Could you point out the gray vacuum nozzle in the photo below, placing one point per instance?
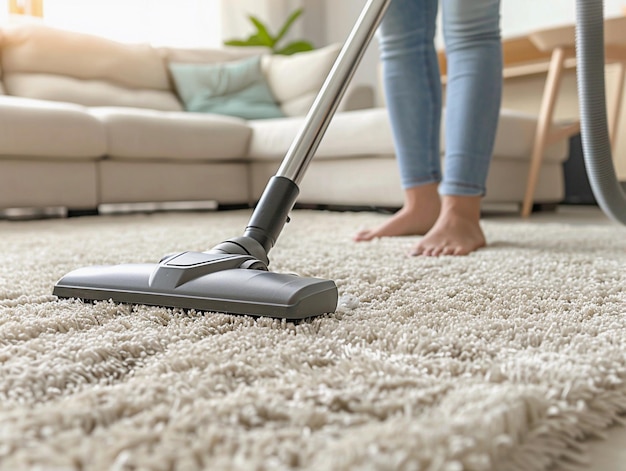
(235, 284)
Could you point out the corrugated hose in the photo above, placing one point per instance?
(591, 96)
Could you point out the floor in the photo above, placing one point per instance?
(569, 214)
(609, 454)
(605, 455)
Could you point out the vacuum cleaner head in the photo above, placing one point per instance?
(237, 284)
(232, 277)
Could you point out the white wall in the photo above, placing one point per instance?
(338, 18)
(186, 23)
(236, 24)
(518, 18)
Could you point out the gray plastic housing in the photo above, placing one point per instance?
(204, 282)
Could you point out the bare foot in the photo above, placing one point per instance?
(418, 215)
(457, 230)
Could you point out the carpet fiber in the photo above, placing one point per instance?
(504, 359)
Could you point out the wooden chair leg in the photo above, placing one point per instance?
(544, 123)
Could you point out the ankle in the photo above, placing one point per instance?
(423, 196)
(467, 207)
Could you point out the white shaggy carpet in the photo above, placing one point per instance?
(502, 360)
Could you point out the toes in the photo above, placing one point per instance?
(436, 251)
(436, 248)
(426, 250)
(461, 251)
(363, 236)
(417, 251)
(448, 250)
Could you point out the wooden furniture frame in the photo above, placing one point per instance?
(560, 43)
(552, 52)
(26, 7)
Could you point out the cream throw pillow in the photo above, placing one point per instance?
(296, 80)
(235, 88)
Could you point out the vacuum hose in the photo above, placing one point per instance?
(592, 102)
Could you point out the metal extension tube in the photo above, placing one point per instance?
(279, 197)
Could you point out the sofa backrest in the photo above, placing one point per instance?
(46, 63)
(51, 64)
(2, 92)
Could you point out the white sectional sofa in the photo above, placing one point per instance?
(86, 121)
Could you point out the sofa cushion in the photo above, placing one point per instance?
(45, 129)
(351, 133)
(88, 92)
(53, 64)
(37, 48)
(368, 132)
(150, 134)
(296, 80)
(236, 88)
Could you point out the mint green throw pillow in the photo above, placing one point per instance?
(229, 88)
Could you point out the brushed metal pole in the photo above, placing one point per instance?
(305, 144)
(280, 195)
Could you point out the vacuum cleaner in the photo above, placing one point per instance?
(233, 277)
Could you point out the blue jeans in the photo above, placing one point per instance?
(471, 30)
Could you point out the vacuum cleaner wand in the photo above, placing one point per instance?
(281, 193)
(233, 277)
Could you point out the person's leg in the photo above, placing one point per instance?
(413, 93)
(473, 95)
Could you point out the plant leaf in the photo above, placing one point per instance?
(264, 38)
(295, 47)
(242, 43)
(263, 34)
(285, 28)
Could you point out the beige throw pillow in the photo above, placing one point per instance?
(296, 80)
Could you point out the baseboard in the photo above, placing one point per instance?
(347, 208)
(33, 213)
(121, 208)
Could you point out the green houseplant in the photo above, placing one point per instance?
(263, 38)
